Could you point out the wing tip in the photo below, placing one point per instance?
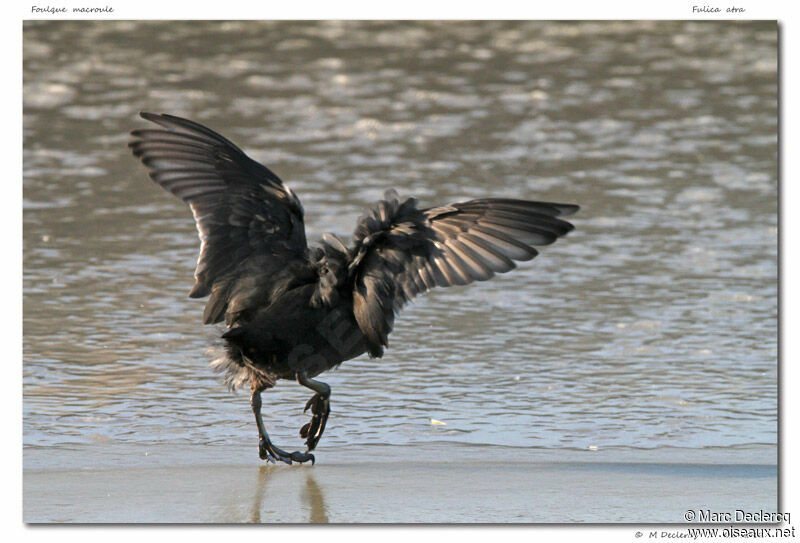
(565, 210)
(148, 116)
(199, 290)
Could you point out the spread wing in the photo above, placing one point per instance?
(250, 223)
(401, 251)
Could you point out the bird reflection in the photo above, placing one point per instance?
(312, 495)
(261, 485)
(316, 500)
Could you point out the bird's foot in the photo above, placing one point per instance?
(268, 451)
(320, 408)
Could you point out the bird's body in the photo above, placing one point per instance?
(295, 311)
(291, 335)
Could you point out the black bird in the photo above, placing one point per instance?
(295, 311)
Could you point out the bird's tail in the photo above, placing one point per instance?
(238, 370)
(227, 359)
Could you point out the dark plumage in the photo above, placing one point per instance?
(294, 312)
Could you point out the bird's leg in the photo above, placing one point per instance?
(320, 408)
(266, 450)
(263, 437)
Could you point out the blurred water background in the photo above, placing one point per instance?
(653, 325)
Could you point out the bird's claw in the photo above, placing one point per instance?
(267, 451)
(312, 431)
(301, 457)
(263, 452)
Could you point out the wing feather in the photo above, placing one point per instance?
(250, 224)
(401, 251)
